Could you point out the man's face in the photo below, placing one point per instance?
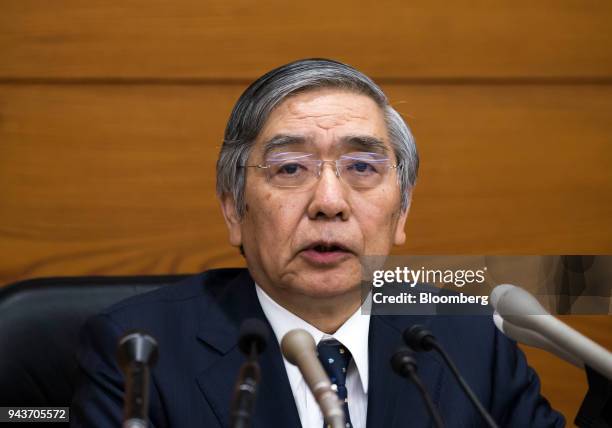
(308, 240)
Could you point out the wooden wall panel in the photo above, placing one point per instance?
(120, 179)
(241, 39)
(105, 180)
(511, 169)
(111, 116)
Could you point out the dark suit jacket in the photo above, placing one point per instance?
(196, 324)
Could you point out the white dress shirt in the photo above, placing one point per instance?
(353, 334)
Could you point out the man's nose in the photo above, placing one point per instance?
(330, 195)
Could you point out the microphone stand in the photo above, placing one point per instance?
(405, 365)
(246, 390)
(252, 342)
(136, 353)
(596, 408)
(421, 339)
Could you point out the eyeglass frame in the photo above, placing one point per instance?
(320, 163)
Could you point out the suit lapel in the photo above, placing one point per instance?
(218, 334)
(392, 400)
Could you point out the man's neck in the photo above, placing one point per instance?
(327, 314)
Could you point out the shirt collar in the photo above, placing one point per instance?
(353, 333)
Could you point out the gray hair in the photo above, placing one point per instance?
(262, 96)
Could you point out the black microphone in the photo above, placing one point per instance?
(136, 353)
(404, 364)
(252, 342)
(596, 408)
(420, 339)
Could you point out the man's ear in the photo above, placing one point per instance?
(400, 233)
(232, 220)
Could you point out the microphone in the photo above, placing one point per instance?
(520, 308)
(299, 349)
(404, 364)
(136, 353)
(420, 339)
(531, 338)
(252, 342)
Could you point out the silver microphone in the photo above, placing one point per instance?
(299, 349)
(521, 309)
(531, 338)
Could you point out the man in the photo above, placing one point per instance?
(316, 170)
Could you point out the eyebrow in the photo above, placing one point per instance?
(282, 140)
(366, 143)
(361, 142)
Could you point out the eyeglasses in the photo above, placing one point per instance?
(362, 170)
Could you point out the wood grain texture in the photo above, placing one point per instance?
(242, 39)
(119, 179)
(108, 168)
(109, 180)
(510, 169)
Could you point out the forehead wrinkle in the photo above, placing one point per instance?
(327, 121)
(338, 111)
(299, 122)
(357, 142)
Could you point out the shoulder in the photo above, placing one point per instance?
(184, 300)
(491, 363)
(449, 329)
(467, 327)
(472, 341)
(208, 283)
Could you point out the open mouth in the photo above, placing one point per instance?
(326, 253)
(323, 248)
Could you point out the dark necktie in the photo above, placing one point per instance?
(335, 358)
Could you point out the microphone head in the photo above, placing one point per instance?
(509, 300)
(403, 362)
(499, 322)
(137, 347)
(498, 292)
(295, 342)
(254, 333)
(418, 338)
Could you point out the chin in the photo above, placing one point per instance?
(325, 285)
